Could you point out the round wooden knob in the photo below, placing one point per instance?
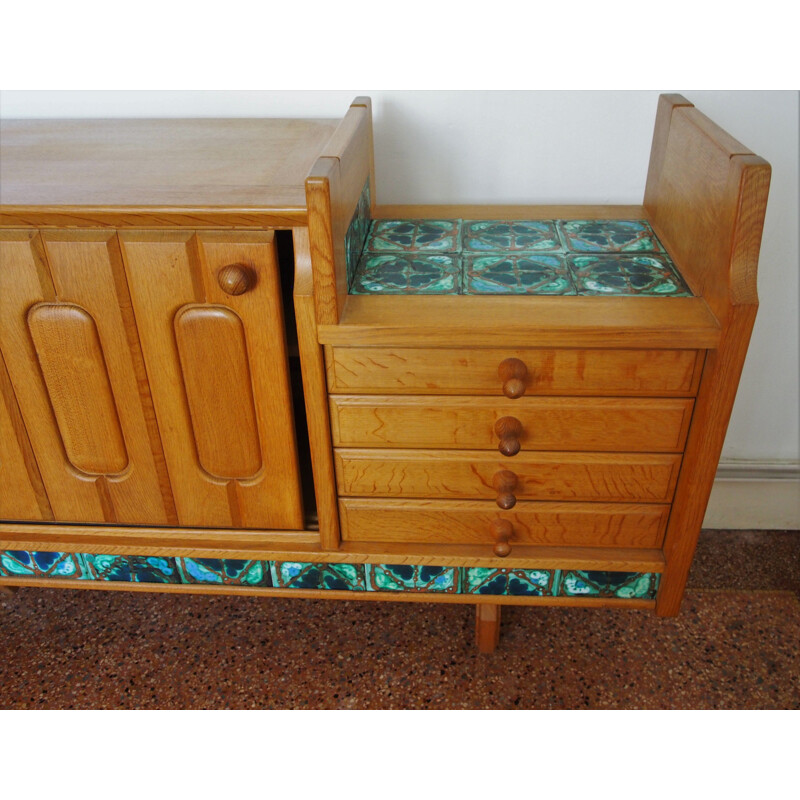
(508, 429)
(236, 279)
(502, 530)
(513, 372)
(506, 501)
(504, 483)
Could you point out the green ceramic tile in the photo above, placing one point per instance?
(485, 580)
(510, 236)
(415, 236)
(403, 273)
(411, 578)
(652, 275)
(626, 585)
(302, 575)
(227, 571)
(517, 273)
(608, 236)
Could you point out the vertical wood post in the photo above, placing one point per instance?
(487, 627)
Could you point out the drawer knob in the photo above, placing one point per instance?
(508, 430)
(504, 483)
(502, 530)
(236, 279)
(513, 372)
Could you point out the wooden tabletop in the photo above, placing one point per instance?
(124, 167)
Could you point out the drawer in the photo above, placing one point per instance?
(470, 475)
(377, 370)
(561, 423)
(534, 523)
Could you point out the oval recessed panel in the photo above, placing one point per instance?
(216, 373)
(71, 359)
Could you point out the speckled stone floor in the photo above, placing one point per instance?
(736, 644)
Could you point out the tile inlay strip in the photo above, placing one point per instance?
(325, 576)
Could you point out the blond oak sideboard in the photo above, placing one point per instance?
(226, 369)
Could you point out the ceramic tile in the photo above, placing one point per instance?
(357, 232)
(485, 580)
(576, 583)
(608, 236)
(411, 578)
(518, 273)
(627, 275)
(510, 236)
(154, 569)
(415, 235)
(228, 571)
(302, 575)
(404, 273)
(19, 563)
(106, 568)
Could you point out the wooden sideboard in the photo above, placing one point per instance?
(225, 368)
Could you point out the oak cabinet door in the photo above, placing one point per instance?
(209, 315)
(69, 343)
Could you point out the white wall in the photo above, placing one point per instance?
(547, 147)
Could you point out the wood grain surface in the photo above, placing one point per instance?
(534, 523)
(558, 423)
(474, 371)
(469, 475)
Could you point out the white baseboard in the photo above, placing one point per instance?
(755, 495)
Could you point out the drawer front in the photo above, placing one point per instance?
(473, 475)
(376, 370)
(534, 523)
(563, 423)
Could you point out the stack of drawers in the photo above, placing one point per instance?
(509, 447)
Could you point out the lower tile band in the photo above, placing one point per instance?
(321, 576)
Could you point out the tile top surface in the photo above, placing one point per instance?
(542, 257)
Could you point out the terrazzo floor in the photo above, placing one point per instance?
(736, 644)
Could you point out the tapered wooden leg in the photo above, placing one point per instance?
(8, 590)
(487, 627)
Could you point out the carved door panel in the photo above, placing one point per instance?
(209, 314)
(22, 494)
(69, 342)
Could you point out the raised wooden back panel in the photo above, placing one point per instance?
(706, 197)
(333, 189)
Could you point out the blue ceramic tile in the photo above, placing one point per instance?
(608, 236)
(415, 235)
(404, 273)
(227, 571)
(653, 275)
(510, 236)
(517, 273)
(40, 564)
